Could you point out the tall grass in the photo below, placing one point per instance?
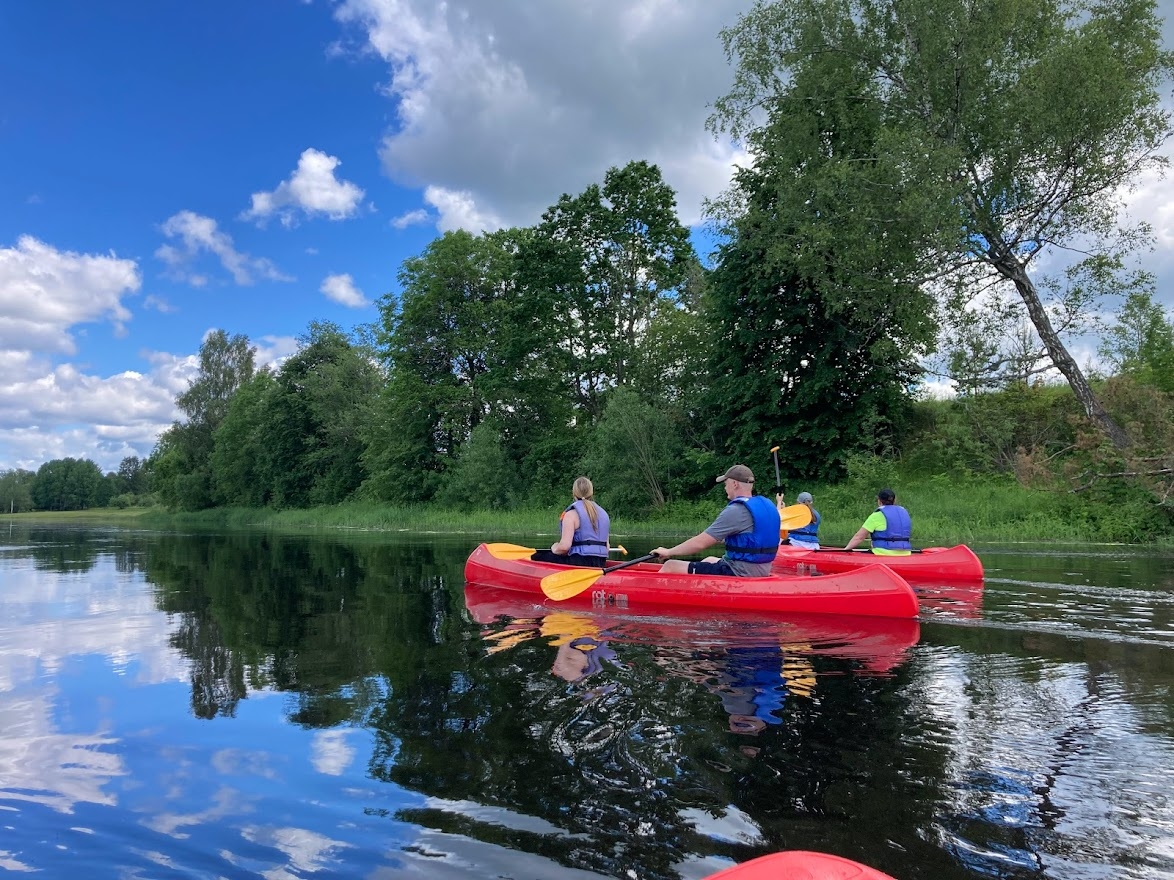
(945, 510)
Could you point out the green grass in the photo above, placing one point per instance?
(945, 510)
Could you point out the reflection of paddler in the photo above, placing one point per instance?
(581, 647)
(752, 682)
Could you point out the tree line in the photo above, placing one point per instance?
(912, 165)
(74, 484)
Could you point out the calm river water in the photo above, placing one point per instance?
(194, 705)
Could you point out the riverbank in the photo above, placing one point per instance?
(944, 512)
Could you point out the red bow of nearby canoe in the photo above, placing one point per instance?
(799, 865)
(956, 563)
(874, 591)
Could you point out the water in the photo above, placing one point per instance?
(275, 706)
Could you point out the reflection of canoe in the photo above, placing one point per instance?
(873, 591)
(956, 563)
(799, 865)
(877, 644)
(961, 599)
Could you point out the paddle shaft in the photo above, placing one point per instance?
(774, 450)
(647, 558)
(566, 584)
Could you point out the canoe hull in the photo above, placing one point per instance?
(799, 865)
(956, 563)
(874, 591)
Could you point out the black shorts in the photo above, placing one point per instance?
(569, 559)
(719, 567)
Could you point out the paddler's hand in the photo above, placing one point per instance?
(662, 552)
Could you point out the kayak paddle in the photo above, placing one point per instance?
(515, 551)
(795, 516)
(567, 584)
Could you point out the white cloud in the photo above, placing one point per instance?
(458, 210)
(49, 412)
(45, 291)
(411, 218)
(197, 234)
(504, 106)
(311, 189)
(341, 289)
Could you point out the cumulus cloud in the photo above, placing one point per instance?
(45, 291)
(341, 289)
(311, 190)
(195, 234)
(504, 106)
(53, 411)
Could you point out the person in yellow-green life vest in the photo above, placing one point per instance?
(889, 527)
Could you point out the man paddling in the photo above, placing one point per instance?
(889, 526)
(749, 524)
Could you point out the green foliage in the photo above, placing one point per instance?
(484, 477)
(69, 484)
(633, 453)
(181, 462)
(972, 136)
(618, 257)
(16, 490)
(243, 459)
(793, 362)
(1141, 342)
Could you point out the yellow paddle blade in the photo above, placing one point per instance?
(509, 551)
(623, 551)
(565, 584)
(795, 517)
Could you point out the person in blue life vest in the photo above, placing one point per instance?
(806, 537)
(749, 524)
(584, 531)
(889, 527)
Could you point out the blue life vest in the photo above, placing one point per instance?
(811, 530)
(590, 540)
(762, 543)
(897, 531)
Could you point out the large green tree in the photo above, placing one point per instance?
(1007, 130)
(69, 484)
(182, 459)
(618, 259)
(440, 339)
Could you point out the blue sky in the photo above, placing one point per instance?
(170, 168)
(175, 167)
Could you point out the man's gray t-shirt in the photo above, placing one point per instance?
(733, 519)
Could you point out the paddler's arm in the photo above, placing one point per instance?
(860, 535)
(570, 522)
(687, 548)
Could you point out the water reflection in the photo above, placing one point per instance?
(751, 662)
(237, 705)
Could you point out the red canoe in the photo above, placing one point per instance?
(799, 865)
(956, 563)
(874, 591)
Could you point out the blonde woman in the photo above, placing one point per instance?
(584, 532)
